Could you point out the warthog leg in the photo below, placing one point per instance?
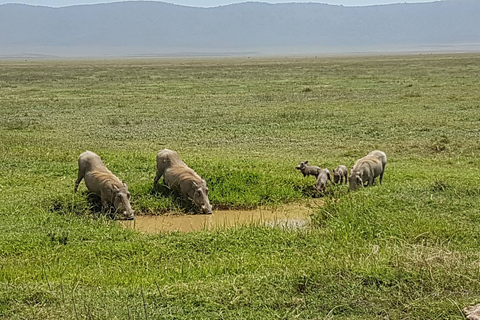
(157, 177)
(105, 206)
(79, 179)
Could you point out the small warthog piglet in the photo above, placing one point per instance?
(322, 179)
(340, 174)
(307, 169)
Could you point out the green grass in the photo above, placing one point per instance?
(406, 249)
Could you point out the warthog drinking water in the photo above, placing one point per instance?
(340, 174)
(178, 176)
(366, 169)
(322, 179)
(104, 183)
(307, 169)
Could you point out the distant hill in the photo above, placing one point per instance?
(158, 28)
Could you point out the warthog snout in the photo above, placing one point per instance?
(355, 182)
(301, 165)
(125, 215)
(207, 209)
(200, 198)
(122, 205)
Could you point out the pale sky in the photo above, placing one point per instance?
(212, 3)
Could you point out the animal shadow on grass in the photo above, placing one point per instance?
(180, 202)
(439, 186)
(82, 204)
(307, 191)
(311, 192)
(328, 193)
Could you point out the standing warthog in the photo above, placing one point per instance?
(340, 174)
(380, 155)
(307, 169)
(322, 179)
(365, 170)
(104, 183)
(178, 176)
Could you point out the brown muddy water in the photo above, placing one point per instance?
(289, 216)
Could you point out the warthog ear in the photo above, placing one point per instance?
(125, 185)
(306, 162)
(115, 188)
(195, 185)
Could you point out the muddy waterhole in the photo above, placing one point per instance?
(288, 216)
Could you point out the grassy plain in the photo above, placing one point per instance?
(408, 249)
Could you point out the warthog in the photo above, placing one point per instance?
(104, 183)
(178, 176)
(365, 170)
(322, 179)
(307, 169)
(340, 174)
(383, 159)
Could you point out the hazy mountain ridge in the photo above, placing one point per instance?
(155, 26)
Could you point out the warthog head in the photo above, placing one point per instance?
(320, 186)
(121, 202)
(200, 197)
(302, 165)
(336, 176)
(355, 180)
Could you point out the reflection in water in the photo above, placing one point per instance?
(291, 216)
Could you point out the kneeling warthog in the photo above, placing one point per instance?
(178, 176)
(340, 174)
(104, 183)
(365, 170)
(322, 179)
(307, 169)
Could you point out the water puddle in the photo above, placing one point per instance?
(290, 216)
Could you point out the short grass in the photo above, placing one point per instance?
(408, 249)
